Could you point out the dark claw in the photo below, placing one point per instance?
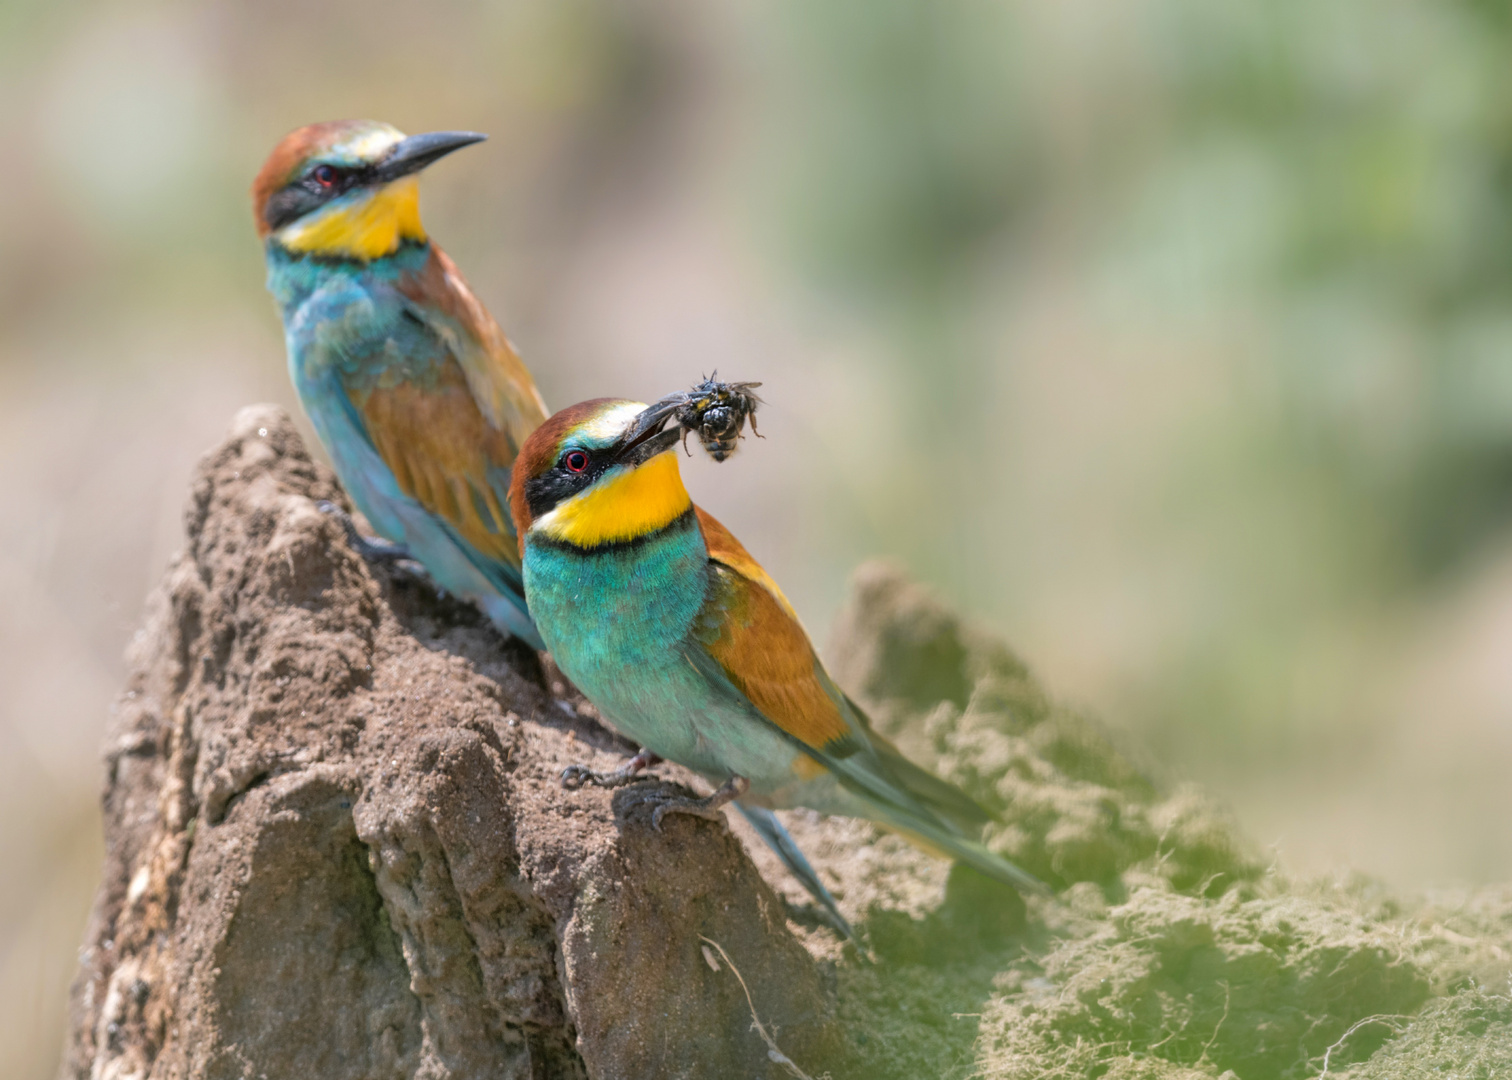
(575, 776)
(372, 548)
(666, 802)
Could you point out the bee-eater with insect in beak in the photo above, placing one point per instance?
(669, 626)
(414, 390)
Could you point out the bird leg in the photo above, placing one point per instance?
(372, 548)
(575, 776)
(666, 802)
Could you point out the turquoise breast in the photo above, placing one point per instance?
(618, 620)
(614, 618)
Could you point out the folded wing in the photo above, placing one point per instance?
(748, 637)
(444, 454)
(447, 411)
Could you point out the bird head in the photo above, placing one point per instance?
(598, 473)
(347, 188)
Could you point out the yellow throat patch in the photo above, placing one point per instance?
(627, 506)
(368, 228)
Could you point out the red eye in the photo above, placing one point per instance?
(325, 175)
(575, 460)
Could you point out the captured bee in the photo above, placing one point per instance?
(718, 411)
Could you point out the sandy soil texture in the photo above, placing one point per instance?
(336, 846)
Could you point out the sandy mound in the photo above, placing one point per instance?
(1173, 951)
(336, 846)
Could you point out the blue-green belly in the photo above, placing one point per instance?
(617, 620)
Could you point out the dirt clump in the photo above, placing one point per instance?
(1263, 987)
(336, 843)
(1467, 1036)
(1172, 952)
(1073, 805)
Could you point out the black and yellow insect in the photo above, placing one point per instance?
(716, 411)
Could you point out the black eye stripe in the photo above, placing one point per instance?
(307, 193)
(562, 481)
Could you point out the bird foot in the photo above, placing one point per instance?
(664, 802)
(372, 548)
(576, 776)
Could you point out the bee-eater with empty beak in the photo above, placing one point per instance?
(414, 390)
(670, 627)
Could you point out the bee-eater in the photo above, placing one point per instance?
(680, 638)
(417, 395)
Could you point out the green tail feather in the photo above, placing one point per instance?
(910, 800)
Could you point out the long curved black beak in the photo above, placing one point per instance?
(414, 153)
(645, 438)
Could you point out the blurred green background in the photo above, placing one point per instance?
(1173, 338)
